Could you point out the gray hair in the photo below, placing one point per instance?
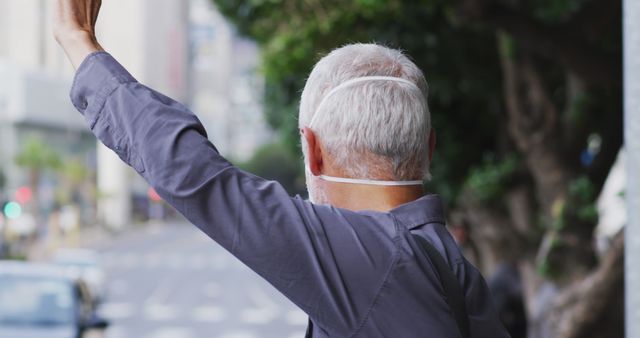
(372, 129)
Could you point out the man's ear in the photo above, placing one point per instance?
(432, 143)
(314, 151)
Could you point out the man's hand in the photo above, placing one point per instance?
(74, 23)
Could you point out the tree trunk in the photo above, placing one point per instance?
(538, 223)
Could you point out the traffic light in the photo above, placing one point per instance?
(153, 195)
(12, 210)
(23, 195)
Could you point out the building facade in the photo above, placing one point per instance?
(184, 49)
(227, 86)
(34, 100)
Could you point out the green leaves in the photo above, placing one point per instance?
(583, 194)
(556, 10)
(459, 58)
(459, 62)
(488, 181)
(275, 162)
(36, 154)
(506, 44)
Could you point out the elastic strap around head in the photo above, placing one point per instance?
(353, 81)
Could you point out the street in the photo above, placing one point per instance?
(171, 281)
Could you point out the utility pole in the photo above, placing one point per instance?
(631, 38)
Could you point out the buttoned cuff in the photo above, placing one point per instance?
(96, 78)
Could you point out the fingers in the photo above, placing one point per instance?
(72, 18)
(87, 10)
(74, 22)
(91, 10)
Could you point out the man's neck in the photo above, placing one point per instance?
(370, 197)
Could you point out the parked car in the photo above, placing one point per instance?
(44, 301)
(86, 264)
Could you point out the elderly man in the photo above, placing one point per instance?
(350, 258)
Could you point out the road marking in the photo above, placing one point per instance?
(161, 293)
(212, 290)
(155, 260)
(266, 309)
(219, 262)
(209, 314)
(153, 229)
(115, 332)
(155, 305)
(175, 261)
(116, 310)
(297, 317)
(109, 260)
(165, 319)
(258, 316)
(297, 334)
(197, 262)
(152, 260)
(129, 261)
(118, 287)
(238, 334)
(172, 332)
(200, 238)
(159, 312)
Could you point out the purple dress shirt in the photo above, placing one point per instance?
(356, 274)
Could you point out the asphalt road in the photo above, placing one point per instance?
(172, 281)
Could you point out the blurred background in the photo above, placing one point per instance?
(526, 98)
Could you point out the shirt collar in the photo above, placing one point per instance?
(426, 209)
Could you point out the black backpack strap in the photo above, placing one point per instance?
(452, 290)
(309, 332)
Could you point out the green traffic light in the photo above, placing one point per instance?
(12, 210)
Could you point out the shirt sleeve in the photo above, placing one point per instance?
(319, 257)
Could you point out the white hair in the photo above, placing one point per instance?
(372, 129)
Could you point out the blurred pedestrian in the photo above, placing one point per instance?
(348, 257)
(459, 229)
(506, 289)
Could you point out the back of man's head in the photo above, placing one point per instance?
(370, 128)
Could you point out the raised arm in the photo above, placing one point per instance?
(305, 251)
(74, 24)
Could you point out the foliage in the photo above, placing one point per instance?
(555, 11)
(489, 181)
(514, 86)
(582, 191)
(275, 162)
(37, 155)
(74, 171)
(465, 93)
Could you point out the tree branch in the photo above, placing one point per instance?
(532, 122)
(501, 234)
(556, 43)
(578, 311)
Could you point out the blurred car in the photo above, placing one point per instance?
(86, 264)
(44, 301)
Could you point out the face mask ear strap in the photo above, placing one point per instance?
(369, 182)
(363, 181)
